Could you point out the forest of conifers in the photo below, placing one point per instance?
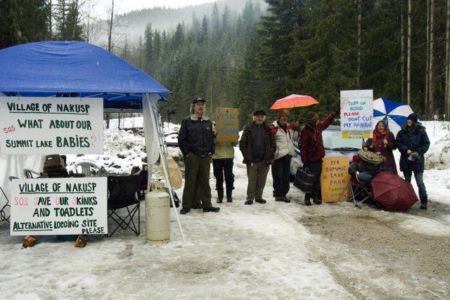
(247, 59)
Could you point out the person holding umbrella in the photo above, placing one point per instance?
(284, 136)
(312, 150)
(383, 142)
(413, 143)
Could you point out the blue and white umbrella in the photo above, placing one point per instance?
(394, 112)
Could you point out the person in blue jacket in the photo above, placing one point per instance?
(412, 142)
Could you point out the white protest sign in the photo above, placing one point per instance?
(356, 113)
(49, 125)
(57, 206)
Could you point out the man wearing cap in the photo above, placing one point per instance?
(413, 143)
(312, 151)
(196, 141)
(258, 147)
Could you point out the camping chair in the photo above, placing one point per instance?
(123, 203)
(3, 217)
(33, 174)
(360, 191)
(85, 169)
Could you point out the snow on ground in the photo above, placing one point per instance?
(271, 251)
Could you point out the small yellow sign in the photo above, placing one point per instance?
(335, 180)
(227, 124)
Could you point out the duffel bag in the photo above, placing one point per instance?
(304, 180)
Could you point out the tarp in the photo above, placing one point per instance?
(74, 69)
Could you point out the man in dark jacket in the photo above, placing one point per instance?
(196, 141)
(258, 147)
(312, 151)
(413, 143)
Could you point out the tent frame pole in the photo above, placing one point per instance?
(163, 161)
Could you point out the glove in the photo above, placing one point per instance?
(338, 112)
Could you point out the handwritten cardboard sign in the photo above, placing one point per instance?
(57, 206)
(335, 180)
(356, 113)
(48, 125)
(227, 124)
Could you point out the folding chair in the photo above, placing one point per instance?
(123, 203)
(3, 217)
(360, 191)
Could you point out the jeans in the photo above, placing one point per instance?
(223, 167)
(281, 174)
(420, 184)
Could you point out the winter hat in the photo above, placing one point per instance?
(412, 117)
(312, 118)
(198, 99)
(259, 113)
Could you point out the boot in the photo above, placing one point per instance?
(317, 200)
(260, 201)
(307, 200)
(184, 211)
(423, 203)
(229, 197)
(285, 199)
(211, 209)
(248, 202)
(219, 196)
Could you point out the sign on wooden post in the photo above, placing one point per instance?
(356, 113)
(227, 124)
(335, 180)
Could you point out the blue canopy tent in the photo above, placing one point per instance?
(78, 69)
(74, 69)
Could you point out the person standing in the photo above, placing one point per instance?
(284, 140)
(413, 143)
(196, 142)
(223, 167)
(312, 151)
(258, 147)
(383, 142)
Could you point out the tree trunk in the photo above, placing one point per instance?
(358, 72)
(447, 55)
(408, 63)
(402, 53)
(50, 16)
(427, 64)
(75, 21)
(431, 63)
(111, 20)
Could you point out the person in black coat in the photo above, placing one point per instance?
(413, 143)
(196, 141)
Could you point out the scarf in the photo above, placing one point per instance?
(377, 135)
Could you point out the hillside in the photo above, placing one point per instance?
(131, 26)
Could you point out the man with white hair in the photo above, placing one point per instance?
(257, 146)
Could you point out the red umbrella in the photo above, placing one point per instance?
(294, 100)
(392, 192)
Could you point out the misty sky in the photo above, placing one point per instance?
(100, 8)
